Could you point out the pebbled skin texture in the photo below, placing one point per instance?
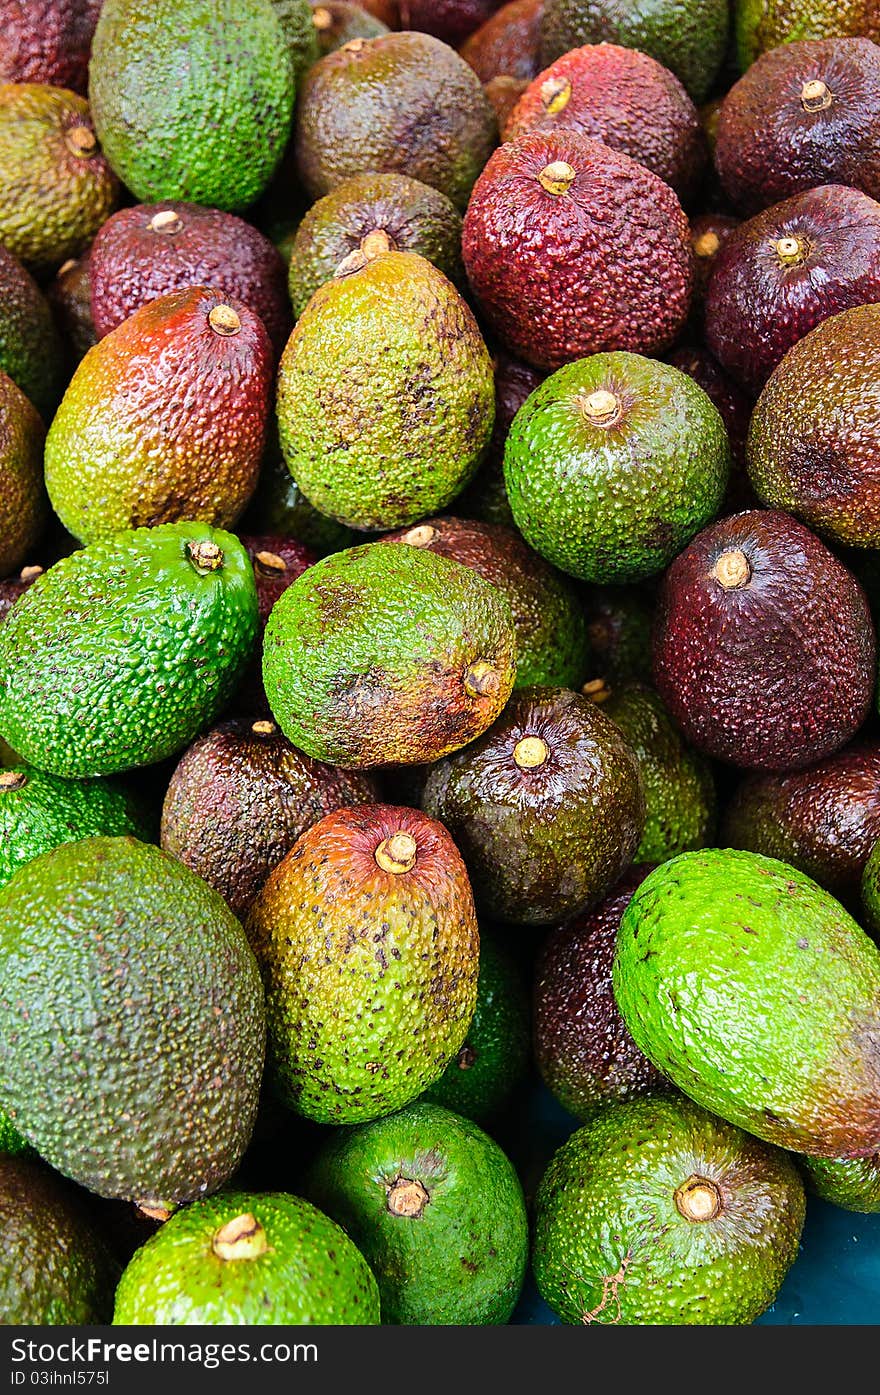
(583, 1048)
(279, 507)
(54, 1270)
(871, 891)
(606, 265)
(69, 297)
(768, 147)
(757, 306)
(852, 1183)
(773, 675)
(385, 394)
(687, 36)
(164, 420)
(300, 35)
(311, 1273)
(347, 22)
(764, 24)
(24, 511)
(485, 497)
(679, 787)
(206, 121)
(401, 103)
(758, 995)
(449, 20)
(271, 579)
(544, 843)
(551, 639)
(46, 811)
(238, 801)
(131, 264)
(15, 586)
(120, 654)
(463, 1260)
(619, 628)
(615, 503)
(494, 1058)
(508, 43)
(416, 217)
(823, 820)
(30, 349)
(365, 656)
(612, 1247)
(370, 976)
(624, 99)
(47, 41)
(814, 439)
(718, 226)
(52, 199)
(130, 992)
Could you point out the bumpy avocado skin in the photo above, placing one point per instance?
(122, 652)
(763, 24)
(871, 890)
(852, 1183)
(54, 1268)
(309, 1273)
(366, 656)
(206, 120)
(136, 1016)
(385, 394)
(279, 506)
(757, 994)
(40, 811)
(23, 506)
(295, 17)
(369, 998)
(461, 1259)
(612, 1246)
(30, 350)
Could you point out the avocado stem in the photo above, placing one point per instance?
(269, 564)
(530, 752)
(81, 141)
(481, 679)
(353, 46)
(376, 242)
(816, 95)
(407, 1197)
(223, 320)
(154, 1210)
(556, 178)
(707, 244)
(732, 569)
(206, 555)
(263, 728)
(12, 779)
(322, 19)
(597, 690)
(241, 1238)
(397, 854)
(165, 221)
(601, 407)
(421, 536)
(30, 573)
(698, 1199)
(791, 251)
(555, 95)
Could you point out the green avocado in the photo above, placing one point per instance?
(851, 1183)
(436, 1209)
(871, 889)
(247, 1260)
(757, 994)
(300, 34)
(122, 652)
(760, 25)
(657, 1214)
(11, 1141)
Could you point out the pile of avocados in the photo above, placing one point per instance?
(439, 577)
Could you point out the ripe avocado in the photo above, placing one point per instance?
(24, 510)
(336, 22)
(547, 807)
(206, 120)
(30, 349)
(507, 44)
(655, 1213)
(368, 942)
(387, 654)
(763, 24)
(436, 1209)
(852, 1183)
(619, 622)
(69, 297)
(48, 41)
(121, 653)
(130, 986)
(756, 993)
(252, 1260)
(735, 407)
(15, 586)
(449, 20)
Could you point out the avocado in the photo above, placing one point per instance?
(15, 586)
(130, 986)
(397, 104)
(679, 788)
(370, 995)
(823, 820)
(390, 212)
(30, 349)
(206, 120)
(507, 44)
(121, 653)
(814, 435)
(584, 1050)
(804, 114)
(655, 1213)
(24, 511)
(756, 993)
(336, 22)
(385, 394)
(547, 807)
(735, 407)
(149, 250)
(55, 1270)
(485, 498)
(39, 812)
(871, 890)
(279, 506)
(387, 654)
(551, 641)
(582, 281)
(240, 798)
(70, 300)
(48, 42)
(785, 271)
(764, 649)
(494, 1056)
(296, 18)
(687, 36)
(56, 187)
(436, 1209)
(11, 1141)
(624, 99)
(247, 1260)
(619, 622)
(709, 232)
(852, 1183)
(763, 24)
(613, 464)
(449, 20)
(277, 562)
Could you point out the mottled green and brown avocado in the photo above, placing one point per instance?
(24, 510)
(851, 1183)
(336, 22)
(547, 807)
(31, 352)
(760, 25)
